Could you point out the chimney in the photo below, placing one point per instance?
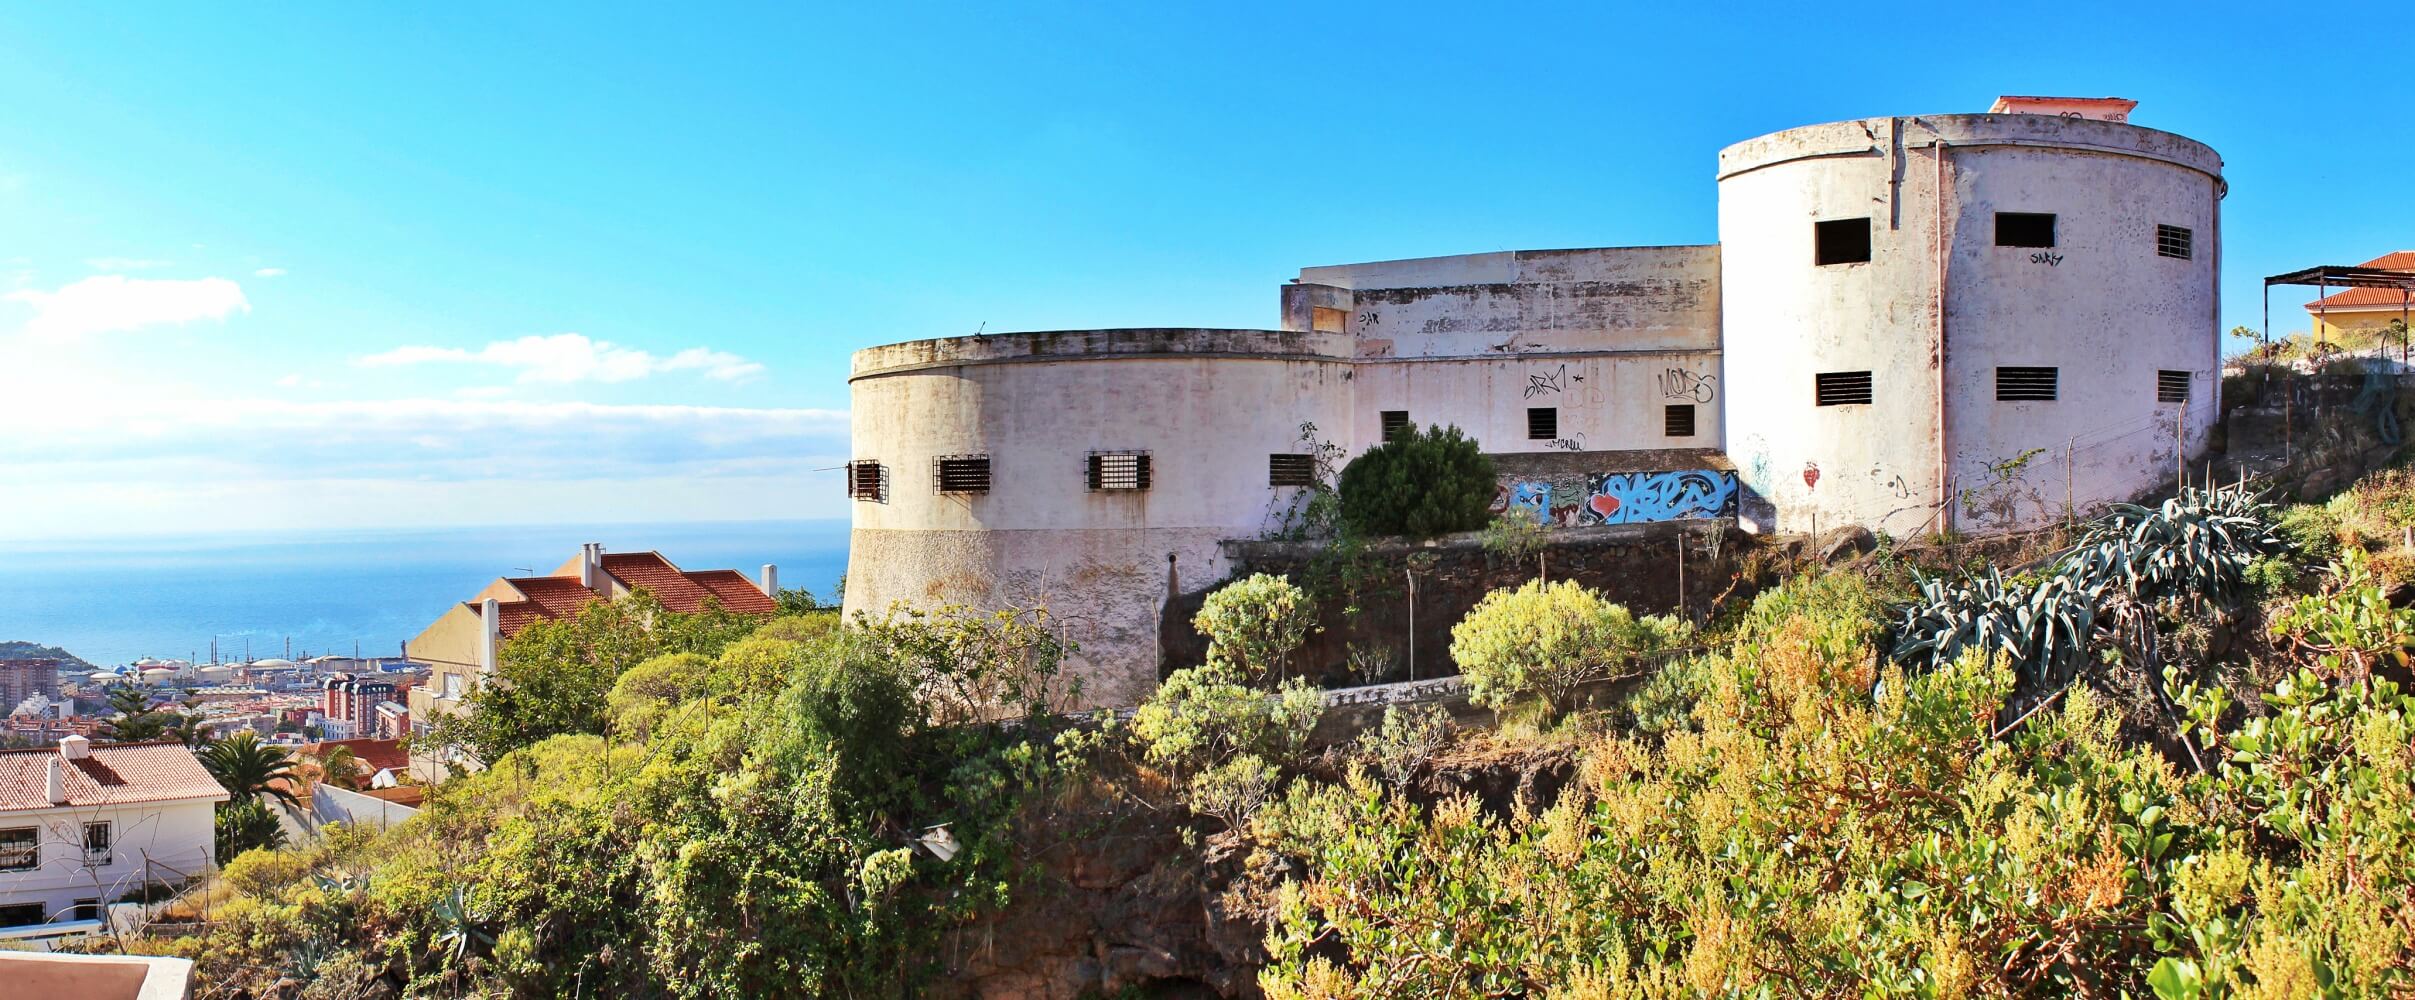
(771, 581)
(56, 776)
(75, 748)
(491, 634)
(587, 561)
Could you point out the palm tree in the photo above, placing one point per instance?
(249, 768)
(340, 768)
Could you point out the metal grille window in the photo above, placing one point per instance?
(1841, 241)
(2175, 241)
(1677, 420)
(96, 844)
(20, 849)
(1542, 423)
(2024, 229)
(1840, 388)
(2171, 386)
(1291, 470)
(867, 480)
(2015, 384)
(1396, 425)
(960, 474)
(1118, 470)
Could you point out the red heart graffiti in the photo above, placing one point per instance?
(1604, 504)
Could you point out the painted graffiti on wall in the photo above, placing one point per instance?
(1678, 383)
(1621, 497)
(1548, 381)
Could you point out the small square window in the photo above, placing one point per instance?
(1542, 423)
(96, 844)
(1396, 425)
(2022, 384)
(2175, 241)
(1677, 420)
(20, 849)
(1118, 470)
(1840, 388)
(2171, 386)
(1841, 241)
(1326, 319)
(2024, 229)
(867, 480)
(1291, 470)
(88, 909)
(960, 474)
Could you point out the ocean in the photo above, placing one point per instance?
(115, 600)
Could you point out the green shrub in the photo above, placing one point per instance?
(1253, 624)
(245, 825)
(1235, 790)
(1409, 737)
(1202, 717)
(2311, 529)
(645, 691)
(1420, 484)
(1546, 640)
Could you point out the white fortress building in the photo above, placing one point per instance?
(1917, 324)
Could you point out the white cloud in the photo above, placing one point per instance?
(572, 357)
(111, 302)
(269, 272)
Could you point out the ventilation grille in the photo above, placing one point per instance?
(1542, 423)
(2175, 241)
(2025, 384)
(1396, 425)
(1118, 470)
(867, 480)
(961, 474)
(2171, 386)
(1841, 388)
(1677, 419)
(1291, 470)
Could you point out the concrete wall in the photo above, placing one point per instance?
(176, 835)
(2101, 306)
(1206, 409)
(1485, 305)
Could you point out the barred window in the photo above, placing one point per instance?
(960, 474)
(867, 480)
(1542, 423)
(96, 844)
(1117, 470)
(2171, 386)
(2024, 229)
(20, 849)
(1841, 241)
(1396, 425)
(1291, 470)
(2018, 384)
(1840, 388)
(2175, 241)
(1677, 420)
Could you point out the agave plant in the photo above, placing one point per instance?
(2041, 628)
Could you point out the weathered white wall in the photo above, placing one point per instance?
(1606, 401)
(1207, 410)
(1487, 305)
(2102, 306)
(178, 836)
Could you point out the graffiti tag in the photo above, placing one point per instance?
(1542, 382)
(1621, 498)
(2047, 258)
(1678, 383)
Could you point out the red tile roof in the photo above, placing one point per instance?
(737, 593)
(113, 774)
(555, 597)
(560, 596)
(2369, 298)
(375, 755)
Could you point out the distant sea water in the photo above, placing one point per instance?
(115, 600)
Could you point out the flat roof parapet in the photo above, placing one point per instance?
(1094, 345)
(1869, 137)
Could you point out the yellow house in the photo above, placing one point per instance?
(2353, 316)
(460, 645)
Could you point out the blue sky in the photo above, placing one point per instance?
(351, 265)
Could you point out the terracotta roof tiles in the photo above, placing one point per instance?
(737, 593)
(2369, 298)
(375, 755)
(114, 773)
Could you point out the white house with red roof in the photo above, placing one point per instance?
(82, 826)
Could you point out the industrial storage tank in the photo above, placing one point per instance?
(1965, 322)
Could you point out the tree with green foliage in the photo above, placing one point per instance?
(1420, 484)
(135, 721)
(1255, 623)
(1547, 640)
(246, 825)
(1204, 716)
(555, 676)
(250, 769)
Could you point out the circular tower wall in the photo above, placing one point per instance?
(1962, 293)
